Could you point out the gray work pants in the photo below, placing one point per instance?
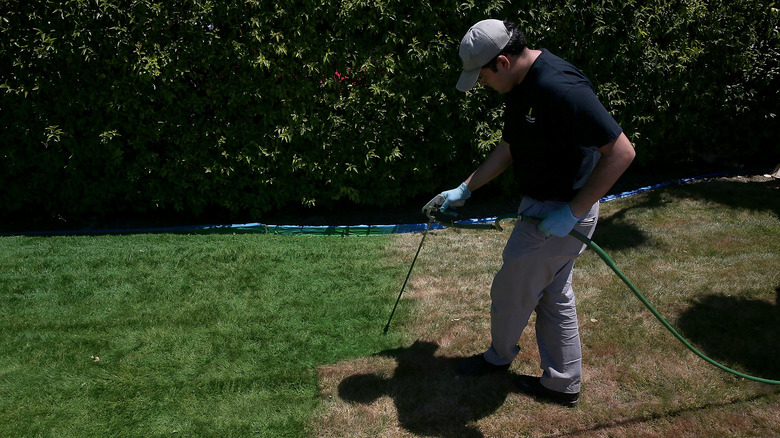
(536, 276)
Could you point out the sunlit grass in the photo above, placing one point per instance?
(152, 335)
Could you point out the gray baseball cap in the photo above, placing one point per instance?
(483, 42)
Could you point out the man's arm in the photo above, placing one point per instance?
(494, 165)
(616, 156)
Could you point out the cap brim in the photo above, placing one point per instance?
(467, 80)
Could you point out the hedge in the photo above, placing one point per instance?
(118, 107)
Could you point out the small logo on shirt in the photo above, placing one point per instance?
(529, 118)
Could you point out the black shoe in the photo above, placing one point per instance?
(533, 387)
(477, 366)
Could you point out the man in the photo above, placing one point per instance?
(567, 152)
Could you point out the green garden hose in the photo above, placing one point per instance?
(603, 255)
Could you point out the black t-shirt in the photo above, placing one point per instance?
(554, 124)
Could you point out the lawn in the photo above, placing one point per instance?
(281, 336)
(151, 335)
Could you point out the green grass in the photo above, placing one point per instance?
(198, 335)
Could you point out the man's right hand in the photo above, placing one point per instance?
(455, 197)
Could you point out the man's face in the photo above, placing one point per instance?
(499, 80)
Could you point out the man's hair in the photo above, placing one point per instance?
(516, 45)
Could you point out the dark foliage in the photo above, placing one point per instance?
(116, 107)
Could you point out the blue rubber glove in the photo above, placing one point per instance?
(456, 196)
(558, 222)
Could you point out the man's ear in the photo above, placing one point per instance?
(503, 63)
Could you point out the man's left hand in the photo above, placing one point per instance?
(558, 222)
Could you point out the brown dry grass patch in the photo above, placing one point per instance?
(638, 380)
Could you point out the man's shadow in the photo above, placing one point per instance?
(431, 399)
(737, 331)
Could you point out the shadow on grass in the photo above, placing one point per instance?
(431, 399)
(748, 195)
(734, 330)
(614, 233)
